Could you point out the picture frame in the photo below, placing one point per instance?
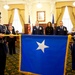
(41, 16)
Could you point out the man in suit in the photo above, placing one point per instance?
(11, 40)
(61, 30)
(2, 50)
(10, 24)
(37, 30)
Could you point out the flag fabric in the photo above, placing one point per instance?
(44, 55)
(52, 18)
(29, 19)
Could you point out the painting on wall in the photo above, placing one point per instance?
(41, 16)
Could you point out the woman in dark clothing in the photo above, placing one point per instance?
(49, 29)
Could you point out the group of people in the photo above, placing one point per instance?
(49, 30)
(56, 30)
(10, 40)
(4, 41)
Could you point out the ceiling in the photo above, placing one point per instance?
(30, 1)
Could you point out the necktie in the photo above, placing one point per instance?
(37, 27)
(61, 27)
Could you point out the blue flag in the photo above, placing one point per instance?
(52, 18)
(44, 55)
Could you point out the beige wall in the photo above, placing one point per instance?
(46, 6)
(33, 12)
(32, 9)
(4, 14)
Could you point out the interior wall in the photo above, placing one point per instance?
(4, 14)
(33, 12)
(46, 6)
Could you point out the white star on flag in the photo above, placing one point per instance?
(42, 46)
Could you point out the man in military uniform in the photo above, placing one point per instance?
(37, 30)
(61, 30)
(2, 50)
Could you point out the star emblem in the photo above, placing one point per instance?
(42, 46)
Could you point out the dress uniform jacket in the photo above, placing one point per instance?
(2, 52)
(38, 31)
(49, 30)
(61, 30)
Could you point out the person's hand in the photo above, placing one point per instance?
(1, 35)
(11, 36)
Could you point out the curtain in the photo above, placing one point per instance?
(58, 12)
(59, 18)
(21, 16)
(21, 8)
(10, 15)
(74, 11)
(72, 17)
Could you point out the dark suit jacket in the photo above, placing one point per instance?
(12, 27)
(1, 29)
(61, 31)
(73, 36)
(38, 31)
(10, 39)
(4, 39)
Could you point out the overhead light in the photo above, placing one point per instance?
(73, 3)
(6, 7)
(39, 5)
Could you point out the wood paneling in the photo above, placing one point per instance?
(26, 28)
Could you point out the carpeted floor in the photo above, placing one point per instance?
(12, 64)
(69, 65)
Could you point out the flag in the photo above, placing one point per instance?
(29, 19)
(30, 26)
(52, 18)
(44, 55)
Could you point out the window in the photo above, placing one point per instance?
(16, 21)
(66, 20)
